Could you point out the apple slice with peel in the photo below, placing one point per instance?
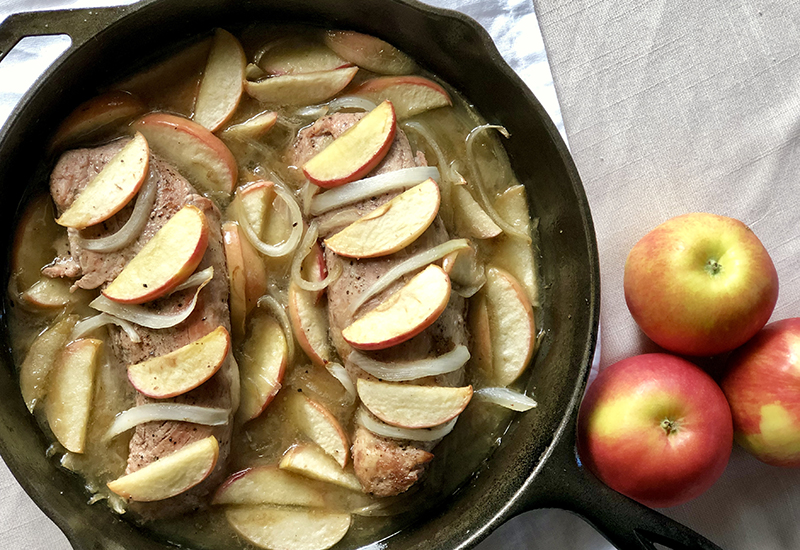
(256, 200)
(165, 261)
(356, 152)
(223, 82)
(41, 358)
(516, 255)
(299, 54)
(170, 475)
(246, 275)
(269, 485)
(369, 52)
(390, 227)
(319, 425)
(410, 406)
(404, 314)
(309, 321)
(181, 370)
(49, 293)
(300, 89)
(252, 128)
(471, 219)
(262, 366)
(511, 325)
(112, 188)
(311, 461)
(410, 95)
(70, 390)
(276, 528)
(198, 154)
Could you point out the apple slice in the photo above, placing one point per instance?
(41, 359)
(311, 461)
(309, 321)
(357, 151)
(252, 128)
(481, 334)
(246, 276)
(97, 116)
(112, 188)
(410, 95)
(256, 203)
(390, 227)
(47, 293)
(170, 475)
(165, 261)
(515, 255)
(269, 485)
(70, 391)
(369, 52)
(288, 529)
(471, 219)
(300, 89)
(319, 425)
(223, 82)
(299, 54)
(197, 153)
(511, 325)
(262, 366)
(35, 241)
(410, 406)
(314, 269)
(181, 370)
(404, 314)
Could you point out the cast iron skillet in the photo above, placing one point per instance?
(536, 465)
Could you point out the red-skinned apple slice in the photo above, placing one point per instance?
(311, 461)
(296, 55)
(170, 475)
(319, 425)
(223, 82)
(404, 314)
(70, 391)
(512, 254)
(410, 406)
(246, 275)
(300, 89)
(49, 293)
(262, 366)
(356, 152)
(41, 359)
(256, 202)
(252, 128)
(165, 261)
(472, 220)
(310, 324)
(197, 153)
(369, 52)
(410, 95)
(390, 227)
(181, 370)
(288, 529)
(269, 485)
(112, 188)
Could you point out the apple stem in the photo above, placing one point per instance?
(669, 426)
(713, 267)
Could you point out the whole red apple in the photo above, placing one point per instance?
(762, 385)
(700, 284)
(655, 428)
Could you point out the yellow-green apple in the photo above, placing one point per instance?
(262, 366)
(390, 227)
(247, 276)
(762, 384)
(411, 406)
(319, 425)
(165, 261)
(288, 528)
(309, 320)
(700, 284)
(298, 54)
(656, 428)
(410, 95)
(356, 152)
(269, 485)
(404, 314)
(300, 89)
(311, 461)
(112, 188)
(369, 52)
(41, 359)
(223, 82)
(170, 475)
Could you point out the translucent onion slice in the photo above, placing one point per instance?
(289, 245)
(413, 434)
(135, 224)
(341, 374)
(160, 412)
(337, 104)
(370, 187)
(279, 312)
(297, 262)
(506, 398)
(195, 279)
(402, 371)
(407, 266)
(82, 328)
(146, 317)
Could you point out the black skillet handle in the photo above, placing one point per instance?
(565, 483)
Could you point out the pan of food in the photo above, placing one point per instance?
(294, 274)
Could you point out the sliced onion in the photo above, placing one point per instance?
(506, 398)
(414, 434)
(312, 111)
(297, 263)
(359, 190)
(82, 328)
(197, 278)
(147, 317)
(307, 193)
(411, 370)
(337, 221)
(160, 412)
(407, 266)
(135, 224)
(341, 374)
(289, 245)
(279, 313)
